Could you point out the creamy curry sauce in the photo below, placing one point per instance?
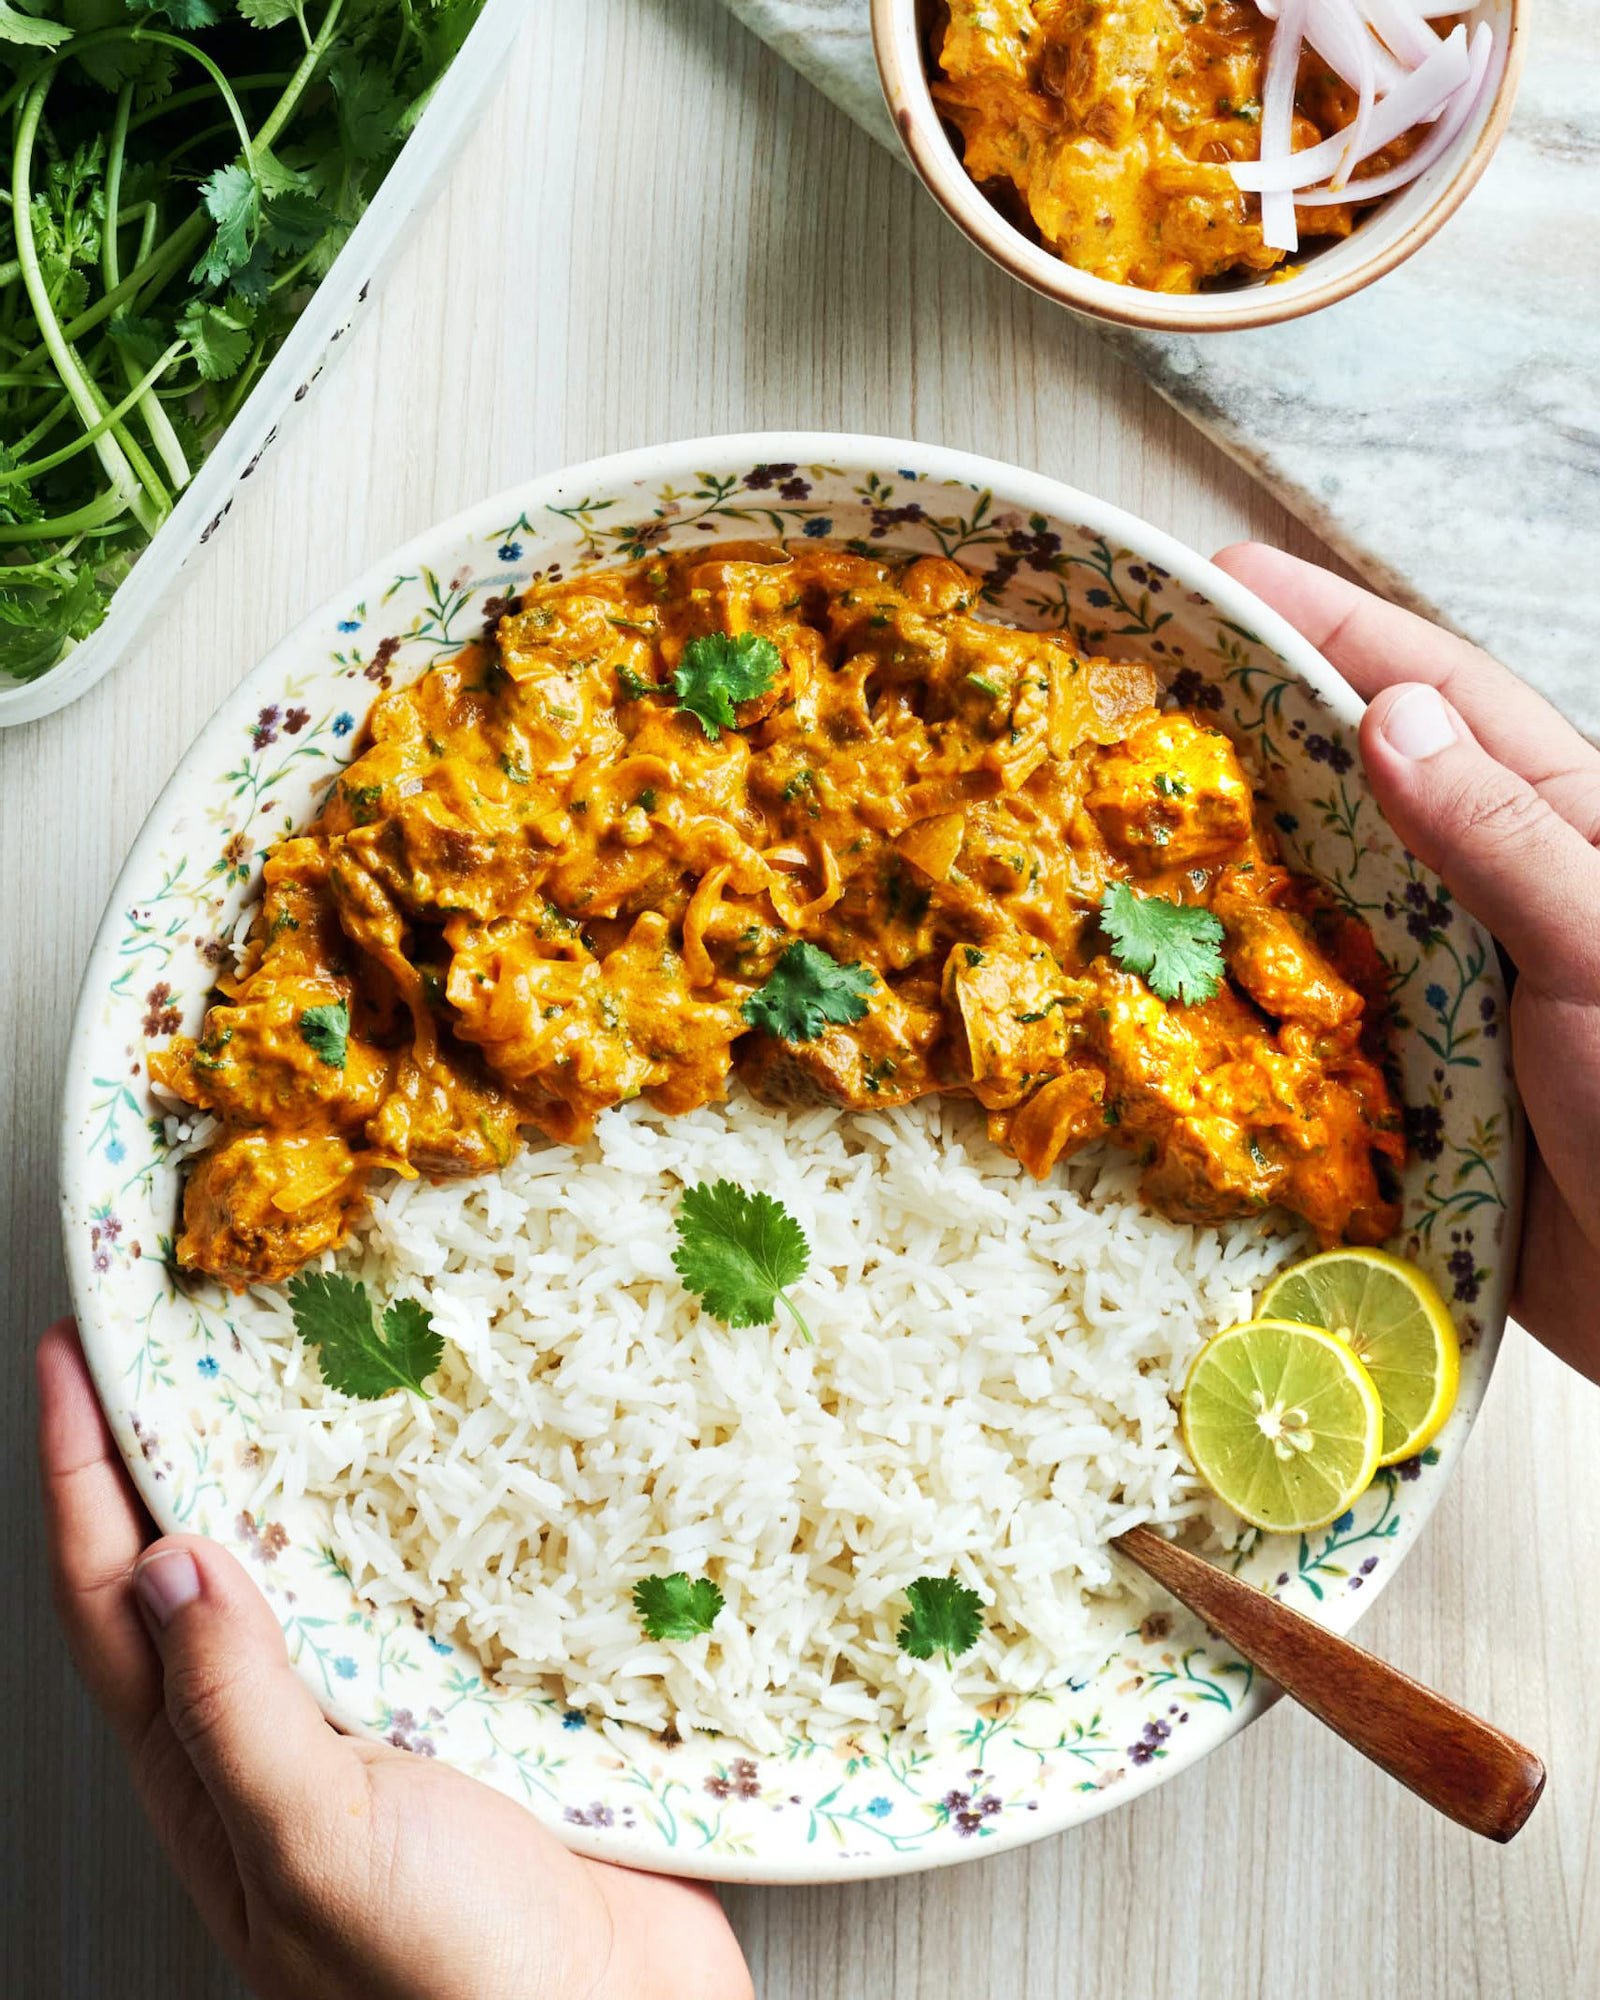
(1112, 122)
(541, 889)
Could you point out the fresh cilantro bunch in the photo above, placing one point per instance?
(187, 171)
(1175, 949)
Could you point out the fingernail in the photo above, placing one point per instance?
(166, 1583)
(1419, 725)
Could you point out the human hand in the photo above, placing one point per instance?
(1500, 796)
(324, 1866)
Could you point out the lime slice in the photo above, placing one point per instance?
(1282, 1423)
(1395, 1320)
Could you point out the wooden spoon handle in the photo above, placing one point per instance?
(1464, 1767)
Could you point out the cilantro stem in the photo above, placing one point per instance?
(108, 449)
(243, 382)
(92, 514)
(180, 100)
(12, 574)
(146, 211)
(302, 75)
(799, 1318)
(61, 407)
(78, 46)
(157, 422)
(11, 475)
(149, 479)
(154, 269)
(294, 273)
(197, 54)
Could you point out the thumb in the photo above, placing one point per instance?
(251, 1728)
(1499, 846)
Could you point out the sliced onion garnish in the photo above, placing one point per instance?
(1400, 24)
(1366, 88)
(1339, 33)
(1463, 102)
(1418, 92)
(1278, 230)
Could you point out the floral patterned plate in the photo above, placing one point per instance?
(177, 1373)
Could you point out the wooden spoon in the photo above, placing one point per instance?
(1465, 1768)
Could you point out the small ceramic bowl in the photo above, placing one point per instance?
(188, 1385)
(1385, 238)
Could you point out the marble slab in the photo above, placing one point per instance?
(1441, 429)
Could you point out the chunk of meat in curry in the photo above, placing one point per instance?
(1112, 123)
(542, 889)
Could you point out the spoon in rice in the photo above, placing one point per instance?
(1464, 1767)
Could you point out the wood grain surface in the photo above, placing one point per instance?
(658, 232)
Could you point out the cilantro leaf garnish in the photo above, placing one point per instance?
(945, 1617)
(1175, 948)
(671, 1607)
(333, 1314)
(805, 991)
(326, 1032)
(738, 1251)
(717, 671)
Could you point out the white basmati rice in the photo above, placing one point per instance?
(990, 1393)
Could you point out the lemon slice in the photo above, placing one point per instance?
(1282, 1423)
(1395, 1320)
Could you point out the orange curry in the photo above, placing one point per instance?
(544, 886)
(1112, 123)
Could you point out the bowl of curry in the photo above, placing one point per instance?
(581, 800)
(1113, 154)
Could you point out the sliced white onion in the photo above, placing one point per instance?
(1366, 88)
(1400, 24)
(1416, 94)
(1278, 230)
(1463, 102)
(1339, 33)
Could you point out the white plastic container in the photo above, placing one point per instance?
(310, 350)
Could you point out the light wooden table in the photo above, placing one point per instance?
(660, 233)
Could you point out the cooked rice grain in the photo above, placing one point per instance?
(990, 1393)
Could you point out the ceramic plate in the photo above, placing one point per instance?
(180, 1382)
